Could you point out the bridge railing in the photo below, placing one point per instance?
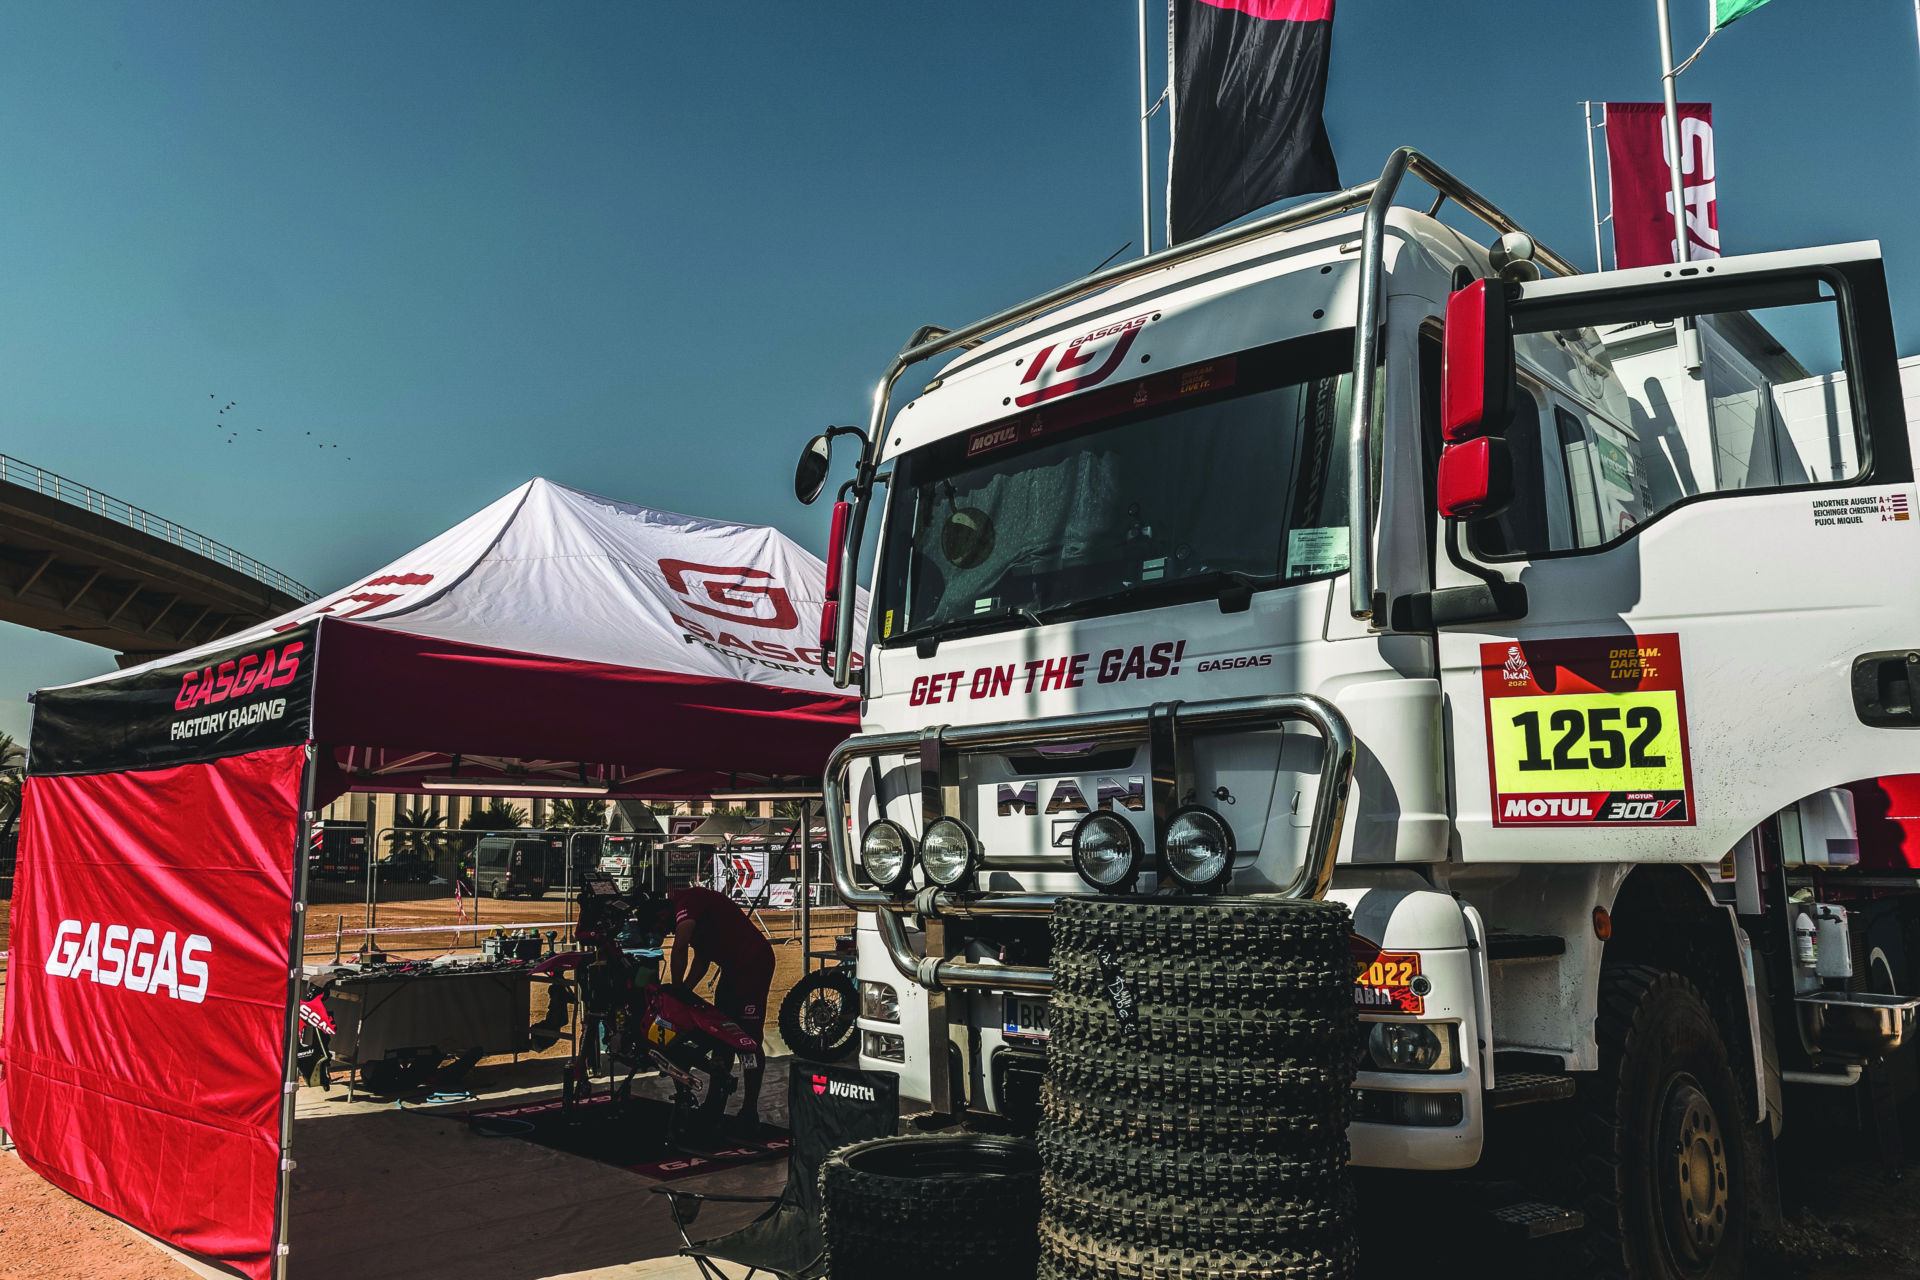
(29, 476)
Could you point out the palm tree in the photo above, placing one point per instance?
(589, 815)
(414, 832)
(13, 772)
(497, 816)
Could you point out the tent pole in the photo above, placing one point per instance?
(296, 977)
(806, 881)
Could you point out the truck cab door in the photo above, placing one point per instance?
(1709, 523)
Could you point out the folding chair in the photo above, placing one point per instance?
(828, 1107)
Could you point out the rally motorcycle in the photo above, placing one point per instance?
(633, 1020)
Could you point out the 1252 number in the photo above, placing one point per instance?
(1610, 749)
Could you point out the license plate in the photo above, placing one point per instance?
(1026, 1016)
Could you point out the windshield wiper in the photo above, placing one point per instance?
(927, 639)
(1233, 589)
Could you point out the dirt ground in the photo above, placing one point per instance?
(1849, 1215)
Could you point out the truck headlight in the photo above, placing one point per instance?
(1107, 851)
(1199, 848)
(879, 1002)
(882, 1045)
(949, 852)
(886, 854)
(1412, 1046)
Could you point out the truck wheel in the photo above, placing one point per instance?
(499, 890)
(817, 1015)
(1663, 1167)
(956, 1205)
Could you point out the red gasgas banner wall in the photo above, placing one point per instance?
(146, 994)
(1642, 183)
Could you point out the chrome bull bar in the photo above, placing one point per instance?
(1167, 727)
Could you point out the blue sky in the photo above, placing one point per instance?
(646, 249)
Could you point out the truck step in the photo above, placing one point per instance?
(1532, 1220)
(1518, 1088)
(1524, 946)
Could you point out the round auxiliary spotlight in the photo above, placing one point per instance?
(949, 852)
(886, 854)
(1199, 848)
(1107, 851)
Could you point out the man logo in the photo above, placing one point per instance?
(741, 595)
(1112, 342)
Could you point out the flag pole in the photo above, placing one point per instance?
(1146, 194)
(1593, 186)
(1667, 78)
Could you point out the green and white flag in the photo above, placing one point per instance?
(1726, 11)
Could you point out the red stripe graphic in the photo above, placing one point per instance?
(1280, 10)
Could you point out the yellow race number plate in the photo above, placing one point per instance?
(1587, 731)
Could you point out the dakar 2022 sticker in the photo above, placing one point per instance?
(1590, 731)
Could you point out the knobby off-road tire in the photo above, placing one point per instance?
(1200, 1074)
(817, 1015)
(1662, 1166)
(952, 1205)
(1124, 1167)
(1069, 1255)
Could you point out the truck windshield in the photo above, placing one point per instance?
(1226, 475)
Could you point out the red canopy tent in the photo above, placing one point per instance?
(555, 640)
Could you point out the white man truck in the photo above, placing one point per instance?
(1564, 626)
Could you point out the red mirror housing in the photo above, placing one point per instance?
(1477, 388)
(1476, 479)
(830, 610)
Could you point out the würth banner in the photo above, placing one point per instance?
(1249, 80)
(1642, 183)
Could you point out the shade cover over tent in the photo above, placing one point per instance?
(555, 639)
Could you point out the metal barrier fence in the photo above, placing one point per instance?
(28, 476)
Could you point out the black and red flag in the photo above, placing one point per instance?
(1249, 81)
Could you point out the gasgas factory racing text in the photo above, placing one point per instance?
(1538, 644)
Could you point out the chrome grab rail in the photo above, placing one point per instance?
(1377, 195)
(1160, 725)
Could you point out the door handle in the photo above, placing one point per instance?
(1886, 689)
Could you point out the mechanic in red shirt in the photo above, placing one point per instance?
(710, 930)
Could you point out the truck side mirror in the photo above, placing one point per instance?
(1477, 383)
(1478, 394)
(830, 609)
(810, 476)
(1475, 480)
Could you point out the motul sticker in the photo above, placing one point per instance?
(1385, 983)
(1587, 732)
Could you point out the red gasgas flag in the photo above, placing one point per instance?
(145, 1034)
(1642, 183)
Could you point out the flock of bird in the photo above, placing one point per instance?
(233, 432)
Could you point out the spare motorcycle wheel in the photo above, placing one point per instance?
(817, 1016)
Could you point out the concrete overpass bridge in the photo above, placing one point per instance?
(78, 563)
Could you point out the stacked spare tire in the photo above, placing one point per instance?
(1199, 1078)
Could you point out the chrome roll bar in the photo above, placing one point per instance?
(1168, 728)
(1377, 196)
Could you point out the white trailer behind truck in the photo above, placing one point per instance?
(1573, 645)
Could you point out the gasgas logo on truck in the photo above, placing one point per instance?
(1112, 341)
(136, 959)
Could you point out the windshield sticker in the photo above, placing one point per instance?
(1311, 551)
(1213, 375)
(1587, 732)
